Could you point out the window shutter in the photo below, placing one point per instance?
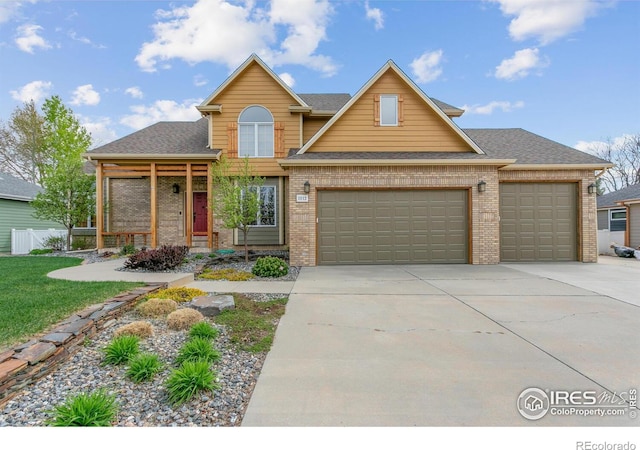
(400, 110)
(232, 140)
(376, 110)
(278, 140)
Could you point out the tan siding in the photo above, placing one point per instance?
(421, 130)
(256, 87)
(311, 127)
(634, 230)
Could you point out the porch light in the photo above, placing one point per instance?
(482, 186)
(591, 189)
(307, 187)
(175, 188)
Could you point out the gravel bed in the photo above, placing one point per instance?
(144, 404)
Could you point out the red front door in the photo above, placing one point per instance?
(199, 212)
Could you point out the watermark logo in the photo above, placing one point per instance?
(535, 403)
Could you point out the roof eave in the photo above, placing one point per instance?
(19, 198)
(557, 166)
(393, 162)
(157, 156)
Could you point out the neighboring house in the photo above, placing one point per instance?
(619, 211)
(383, 177)
(16, 210)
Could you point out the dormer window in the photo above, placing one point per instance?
(389, 110)
(255, 133)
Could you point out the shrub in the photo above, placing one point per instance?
(183, 383)
(57, 243)
(167, 257)
(270, 266)
(40, 251)
(197, 349)
(121, 349)
(183, 319)
(226, 274)
(157, 307)
(199, 256)
(139, 328)
(179, 294)
(143, 367)
(203, 330)
(81, 243)
(128, 249)
(85, 410)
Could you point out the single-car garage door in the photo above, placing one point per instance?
(538, 222)
(392, 226)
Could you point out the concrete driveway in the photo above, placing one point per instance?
(437, 345)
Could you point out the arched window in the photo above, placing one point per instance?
(255, 132)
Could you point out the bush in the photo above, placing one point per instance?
(138, 328)
(183, 319)
(226, 274)
(190, 378)
(121, 349)
(157, 307)
(167, 257)
(143, 367)
(203, 330)
(85, 410)
(40, 251)
(197, 349)
(81, 243)
(179, 294)
(57, 243)
(128, 249)
(270, 266)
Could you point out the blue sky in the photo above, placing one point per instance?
(568, 70)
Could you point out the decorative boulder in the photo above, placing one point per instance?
(212, 305)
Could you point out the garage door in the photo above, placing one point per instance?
(392, 227)
(538, 222)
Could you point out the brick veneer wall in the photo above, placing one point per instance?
(27, 363)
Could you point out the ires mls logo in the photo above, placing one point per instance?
(533, 403)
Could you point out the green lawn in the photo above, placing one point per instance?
(30, 302)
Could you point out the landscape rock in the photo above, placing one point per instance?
(212, 305)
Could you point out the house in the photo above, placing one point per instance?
(381, 177)
(16, 211)
(619, 217)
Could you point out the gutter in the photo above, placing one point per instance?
(145, 156)
(393, 162)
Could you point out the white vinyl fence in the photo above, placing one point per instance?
(606, 238)
(23, 241)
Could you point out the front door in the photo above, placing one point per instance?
(200, 212)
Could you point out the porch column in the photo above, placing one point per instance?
(209, 208)
(99, 208)
(154, 206)
(189, 212)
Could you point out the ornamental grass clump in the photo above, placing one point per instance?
(97, 409)
(197, 349)
(138, 328)
(203, 330)
(143, 367)
(190, 378)
(179, 294)
(157, 307)
(121, 349)
(270, 266)
(183, 319)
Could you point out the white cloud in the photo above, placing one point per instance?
(134, 92)
(199, 80)
(100, 129)
(84, 40)
(426, 67)
(161, 110)
(85, 95)
(241, 28)
(593, 147)
(546, 20)
(36, 91)
(8, 9)
(376, 15)
(288, 79)
(28, 38)
(487, 109)
(521, 64)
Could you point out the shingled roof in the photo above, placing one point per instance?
(13, 188)
(610, 200)
(325, 102)
(162, 138)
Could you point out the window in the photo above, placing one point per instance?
(266, 216)
(255, 133)
(388, 110)
(618, 220)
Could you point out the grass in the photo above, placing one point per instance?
(203, 330)
(85, 410)
(189, 379)
(197, 349)
(143, 367)
(121, 349)
(30, 302)
(252, 324)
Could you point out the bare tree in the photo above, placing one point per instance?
(23, 151)
(625, 155)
